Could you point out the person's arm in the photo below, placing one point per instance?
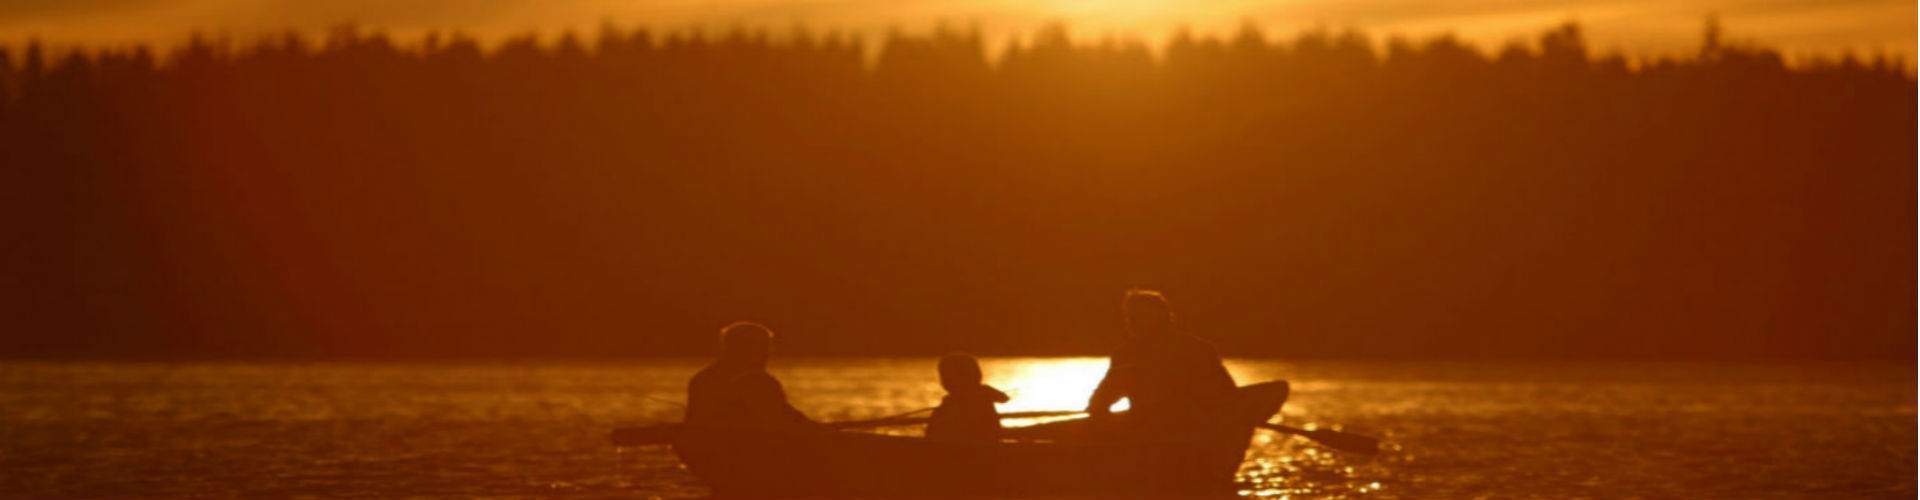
(770, 399)
(1112, 388)
(788, 412)
(995, 394)
(696, 408)
(794, 416)
(1215, 380)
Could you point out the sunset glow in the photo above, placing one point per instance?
(678, 249)
(1802, 28)
(1047, 384)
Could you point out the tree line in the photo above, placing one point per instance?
(1317, 196)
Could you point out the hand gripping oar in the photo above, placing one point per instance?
(664, 433)
(1352, 443)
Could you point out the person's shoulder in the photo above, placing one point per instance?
(720, 376)
(756, 378)
(705, 375)
(1199, 344)
(756, 384)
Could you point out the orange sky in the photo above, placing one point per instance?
(1799, 27)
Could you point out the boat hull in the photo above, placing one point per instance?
(1062, 460)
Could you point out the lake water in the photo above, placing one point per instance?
(1465, 430)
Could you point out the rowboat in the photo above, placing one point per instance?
(1072, 459)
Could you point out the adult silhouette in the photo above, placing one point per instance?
(736, 390)
(1182, 397)
(1173, 380)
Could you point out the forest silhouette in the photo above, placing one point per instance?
(624, 194)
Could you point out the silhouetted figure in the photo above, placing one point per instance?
(1172, 379)
(1182, 397)
(737, 390)
(967, 413)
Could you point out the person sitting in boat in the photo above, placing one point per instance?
(966, 413)
(1172, 380)
(737, 390)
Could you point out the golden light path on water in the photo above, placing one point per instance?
(538, 430)
(1046, 384)
(1065, 384)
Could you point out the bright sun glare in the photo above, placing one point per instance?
(1047, 384)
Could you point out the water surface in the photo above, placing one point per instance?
(1453, 430)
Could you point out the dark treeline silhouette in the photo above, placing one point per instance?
(624, 194)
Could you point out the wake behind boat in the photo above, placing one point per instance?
(1068, 459)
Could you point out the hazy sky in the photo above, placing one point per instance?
(1800, 27)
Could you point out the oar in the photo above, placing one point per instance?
(663, 433)
(1347, 442)
(897, 421)
(911, 413)
(1352, 443)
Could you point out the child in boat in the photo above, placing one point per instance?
(967, 413)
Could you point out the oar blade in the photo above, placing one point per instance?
(1351, 443)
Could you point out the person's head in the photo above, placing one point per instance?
(1148, 314)
(746, 342)
(959, 371)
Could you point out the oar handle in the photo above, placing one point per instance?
(663, 433)
(1284, 429)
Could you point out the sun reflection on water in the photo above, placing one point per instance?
(1046, 384)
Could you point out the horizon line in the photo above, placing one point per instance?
(871, 45)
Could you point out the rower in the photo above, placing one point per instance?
(1181, 395)
(737, 391)
(1172, 380)
(966, 413)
